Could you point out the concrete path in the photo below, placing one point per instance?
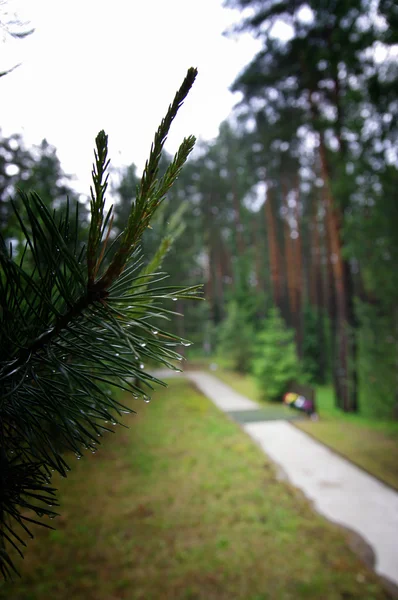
(339, 490)
(222, 395)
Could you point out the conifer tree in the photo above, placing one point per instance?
(79, 319)
(275, 364)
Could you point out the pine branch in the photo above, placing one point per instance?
(77, 325)
(150, 192)
(97, 203)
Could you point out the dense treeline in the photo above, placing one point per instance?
(293, 207)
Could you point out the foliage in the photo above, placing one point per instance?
(173, 222)
(275, 364)
(37, 168)
(236, 337)
(77, 322)
(378, 362)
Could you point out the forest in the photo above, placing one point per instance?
(291, 212)
(294, 206)
(276, 244)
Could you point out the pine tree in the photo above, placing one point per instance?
(275, 364)
(78, 320)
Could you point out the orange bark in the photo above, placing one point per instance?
(274, 256)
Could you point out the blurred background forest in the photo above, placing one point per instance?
(289, 216)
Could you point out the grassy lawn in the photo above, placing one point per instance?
(371, 444)
(184, 506)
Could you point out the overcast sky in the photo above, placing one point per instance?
(96, 64)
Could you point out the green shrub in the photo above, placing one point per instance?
(275, 364)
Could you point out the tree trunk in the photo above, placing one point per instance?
(274, 255)
(317, 292)
(240, 245)
(298, 273)
(329, 295)
(346, 371)
(293, 268)
(260, 286)
(211, 291)
(219, 282)
(290, 275)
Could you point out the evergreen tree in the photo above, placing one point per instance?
(275, 364)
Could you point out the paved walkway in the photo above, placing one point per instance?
(339, 490)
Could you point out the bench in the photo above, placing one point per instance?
(301, 397)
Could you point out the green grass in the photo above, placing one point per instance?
(369, 443)
(183, 505)
(327, 407)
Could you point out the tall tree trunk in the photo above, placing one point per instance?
(240, 244)
(346, 375)
(274, 255)
(290, 274)
(289, 260)
(294, 268)
(298, 272)
(259, 268)
(219, 281)
(315, 259)
(329, 295)
(210, 240)
(317, 292)
(347, 272)
(226, 264)
(346, 339)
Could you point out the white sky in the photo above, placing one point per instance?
(95, 64)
